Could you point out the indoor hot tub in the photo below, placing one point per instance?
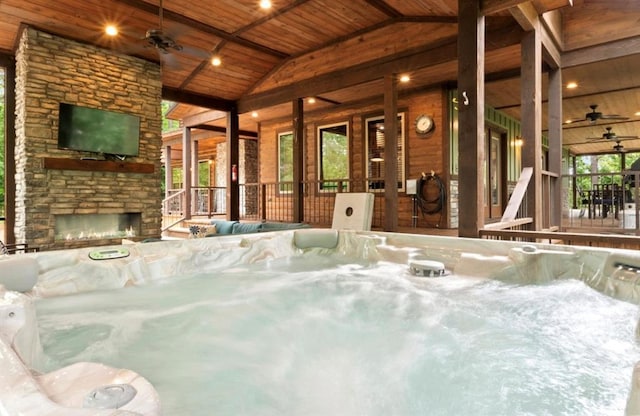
(320, 322)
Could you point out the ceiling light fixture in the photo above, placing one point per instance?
(265, 4)
(311, 100)
(111, 30)
(254, 114)
(637, 113)
(572, 85)
(405, 78)
(215, 61)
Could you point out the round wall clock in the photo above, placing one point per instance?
(424, 124)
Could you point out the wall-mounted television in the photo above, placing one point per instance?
(99, 131)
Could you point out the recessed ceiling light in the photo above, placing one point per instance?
(405, 78)
(111, 30)
(311, 100)
(254, 114)
(265, 4)
(215, 61)
(637, 113)
(571, 85)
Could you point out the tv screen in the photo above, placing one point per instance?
(98, 131)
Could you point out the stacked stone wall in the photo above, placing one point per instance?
(51, 70)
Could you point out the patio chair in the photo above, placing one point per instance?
(16, 248)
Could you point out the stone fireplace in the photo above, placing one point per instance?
(56, 188)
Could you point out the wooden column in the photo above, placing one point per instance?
(471, 39)
(233, 165)
(195, 175)
(531, 113)
(168, 174)
(555, 144)
(390, 153)
(298, 160)
(186, 171)
(9, 63)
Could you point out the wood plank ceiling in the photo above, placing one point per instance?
(338, 51)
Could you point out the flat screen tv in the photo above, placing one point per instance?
(99, 131)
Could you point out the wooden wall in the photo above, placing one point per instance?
(423, 153)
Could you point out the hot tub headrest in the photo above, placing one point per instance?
(18, 272)
(315, 238)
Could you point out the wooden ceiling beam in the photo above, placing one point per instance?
(197, 25)
(219, 129)
(181, 96)
(382, 6)
(442, 52)
(495, 6)
(602, 52)
(527, 17)
(204, 117)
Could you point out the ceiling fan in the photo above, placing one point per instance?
(595, 115)
(618, 147)
(159, 39)
(611, 135)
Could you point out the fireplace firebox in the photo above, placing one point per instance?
(73, 227)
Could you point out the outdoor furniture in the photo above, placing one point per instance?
(604, 198)
(16, 248)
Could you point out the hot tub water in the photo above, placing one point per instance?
(326, 336)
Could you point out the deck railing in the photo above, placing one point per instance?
(583, 210)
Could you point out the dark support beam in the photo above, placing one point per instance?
(555, 144)
(218, 129)
(391, 153)
(233, 167)
(531, 98)
(298, 159)
(471, 41)
(180, 96)
(9, 64)
(186, 171)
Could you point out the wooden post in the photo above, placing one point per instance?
(298, 160)
(233, 165)
(531, 113)
(186, 171)
(168, 174)
(555, 144)
(9, 64)
(471, 39)
(390, 153)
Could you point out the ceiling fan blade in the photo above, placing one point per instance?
(575, 120)
(613, 117)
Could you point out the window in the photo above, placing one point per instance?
(375, 152)
(285, 161)
(333, 155)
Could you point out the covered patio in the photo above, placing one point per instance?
(499, 69)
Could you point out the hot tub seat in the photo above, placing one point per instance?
(61, 392)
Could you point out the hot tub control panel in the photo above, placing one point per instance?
(109, 254)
